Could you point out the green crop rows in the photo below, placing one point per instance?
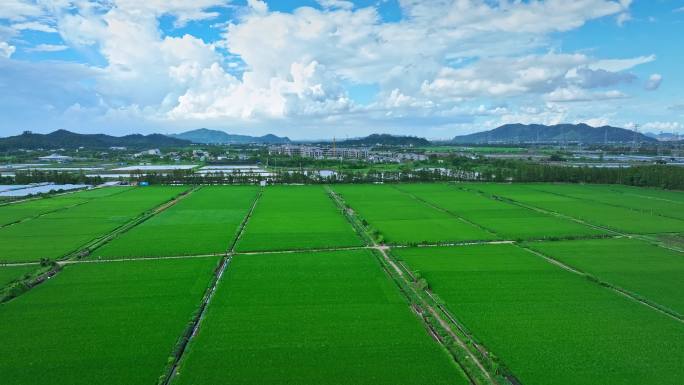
(550, 326)
(56, 234)
(313, 318)
(650, 271)
(594, 212)
(113, 323)
(505, 219)
(203, 223)
(647, 201)
(548, 283)
(296, 217)
(400, 219)
(13, 212)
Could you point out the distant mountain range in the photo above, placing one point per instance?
(385, 140)
(206, 136)
(71, 140)
(538, 133)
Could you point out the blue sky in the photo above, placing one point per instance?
(324, 68)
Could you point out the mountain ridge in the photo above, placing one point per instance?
(207, 136)
(385, 140)
(67, 139)
(559, 133)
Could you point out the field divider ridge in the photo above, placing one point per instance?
(442, 209)
(88, 248)
(193, 327)
(43, 272)
(541, 210)
(615, 233)
(35, 198)
(31, 217)
(434, 322)
(605, 203)
(619, 290)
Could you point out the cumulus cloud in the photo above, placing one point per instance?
(6, 50)
(48, 48)
(438, 61)
(663, 126)
(595, 122)
(588, 78)
(616, 65)
(653, 82)
(563, 77)
(336, 4)
(34, 26)
(576, 94)
(258, 6)
(17, 10)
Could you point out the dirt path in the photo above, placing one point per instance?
(384, 250)
(194, 327)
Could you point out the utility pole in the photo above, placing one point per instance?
(634, 141)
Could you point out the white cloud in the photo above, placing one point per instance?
(510, 16)
(616, 65)
(623, 18)
(48, 48)
(258, 6)
(588, 78)
(653, 82)
(549, 114)
(336, 4)
(595, 122)
(436, 63)
(6, 50)
(563, 76)
(34, 26)
(576, 94)
(17, 10)
(663, 126)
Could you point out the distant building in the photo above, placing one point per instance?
(317, 152)
(153, 152)
(56, 158)
(410, 156)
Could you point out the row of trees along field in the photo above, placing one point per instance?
(54, 176)
(668, 177)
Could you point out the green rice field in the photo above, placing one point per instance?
(614, 217)
(11, 273)
(647, 201)
(113, 323)
(400, 219)
(396, 284)
(506, 220)
(313, 318)
(14, 212)
(652, 272)
(296, 217)
(205, 222)
(56, 234)
(550, 326)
